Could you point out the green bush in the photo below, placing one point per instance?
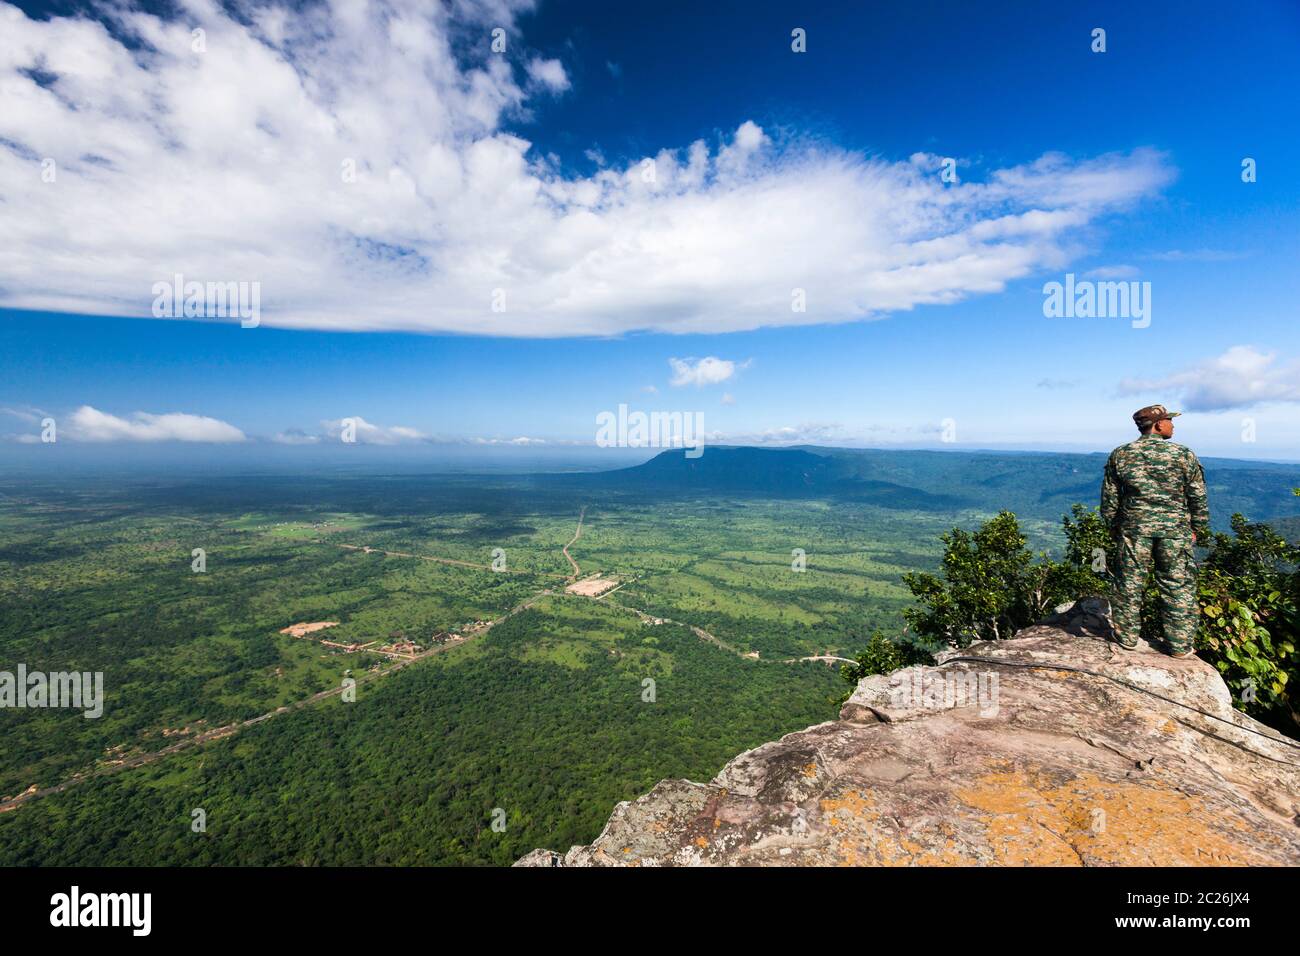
(883, 656)
(992, 586)
(1248, 590)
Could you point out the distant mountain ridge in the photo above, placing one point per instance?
(1033, 484)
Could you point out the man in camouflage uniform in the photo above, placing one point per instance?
(1153, 500)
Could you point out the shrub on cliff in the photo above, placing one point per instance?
(1249, 595)
(991, 586)
(883, 656)
(1248, 590)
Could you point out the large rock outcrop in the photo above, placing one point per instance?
(1015, 762)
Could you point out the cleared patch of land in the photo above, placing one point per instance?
(592, 587)
(302, 630)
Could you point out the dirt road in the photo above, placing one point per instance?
(218, 733)
(452, 561)
(576, 535)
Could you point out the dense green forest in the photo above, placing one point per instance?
(544, 719)
(182, 649)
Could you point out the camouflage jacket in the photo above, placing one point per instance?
(1154, 487)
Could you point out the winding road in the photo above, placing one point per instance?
(576, 535)
(219, 733)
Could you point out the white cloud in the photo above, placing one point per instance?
(1112, 272)
(89, 424)
(728, 399)
(365, 433)
(295, 436)
(835, 434)
(548, 73)
(28, 414)
(231, 165)
(1240, 377)
(808, 433)
(650, 389)
(706, 371)
(522, 441)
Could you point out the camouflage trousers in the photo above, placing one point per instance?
(1175, 572)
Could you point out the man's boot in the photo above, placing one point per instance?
(1119, 639)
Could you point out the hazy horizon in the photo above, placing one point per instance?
(177, 459)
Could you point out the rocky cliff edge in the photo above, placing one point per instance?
(1053, 748)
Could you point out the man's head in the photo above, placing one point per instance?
(1155, 419)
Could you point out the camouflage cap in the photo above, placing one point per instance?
(1152, 414)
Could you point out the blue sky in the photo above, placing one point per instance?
(925, 307)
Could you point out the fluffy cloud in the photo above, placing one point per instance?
(1240, 377)
(363, 432)
(807, 433)
(30, 415)
(705, 371)
(355, 159)
(91, 425)
(548, 73)
(1113, 272)
(295, 436)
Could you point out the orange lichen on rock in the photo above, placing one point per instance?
(1032, 820)
(871, 838)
